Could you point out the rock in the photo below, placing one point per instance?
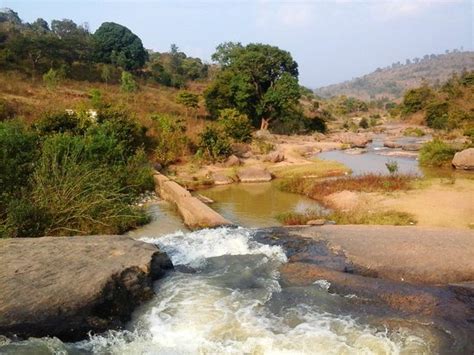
(412, 147)
(274, 157)
(398, 153)
(221, 179)
(254, 174)
(68, 286)
(263, 134)
(464, 159)
(240, 149)
(355, 151)
(316, 222)
(204, 199)
(392, 144)
(247, 155)
(353, 139)
(232, 161)
(157, 166)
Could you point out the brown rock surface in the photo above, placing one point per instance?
(68, 286)
(254, 174)
(464, 159)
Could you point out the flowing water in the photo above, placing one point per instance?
(225, 298)
(373, 160)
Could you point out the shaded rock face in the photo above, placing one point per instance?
(464, 159)
(254, 174)
(232, 161)
(68, 286)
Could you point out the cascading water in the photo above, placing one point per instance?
(225, 298)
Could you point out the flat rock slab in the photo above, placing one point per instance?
(254, 174)
(410, 254)
(68, 286)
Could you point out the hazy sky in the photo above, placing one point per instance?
(332, 40)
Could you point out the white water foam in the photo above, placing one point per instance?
(199, 313)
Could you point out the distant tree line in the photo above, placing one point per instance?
(76, 53)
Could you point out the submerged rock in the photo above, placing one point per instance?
(464, 159)
(68, 286)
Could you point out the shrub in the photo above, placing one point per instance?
(58, 122)
(7, 111)
(188, 100)
(171, 139)
(235, 125)
(18, 153)
(213, 144)
(413, 132)
(415, 100)
(364, 123)
(437, 115)
(262, 146)
(127, 83)
(25, 220)
(52, 79)
(392, 167)
(80, 198)
(436, 153)
(128, 132)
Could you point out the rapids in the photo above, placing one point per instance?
(225, 298)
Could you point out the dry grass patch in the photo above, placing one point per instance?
(316, 169)
(317, 189)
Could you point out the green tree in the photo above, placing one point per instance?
(52, 79)
(188, 100)
(118, 45)
(235, 125)
(258, 80)
(128, 84)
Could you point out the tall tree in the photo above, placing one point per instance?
(116, 44)
(258, 80)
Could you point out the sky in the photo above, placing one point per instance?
(332, 40)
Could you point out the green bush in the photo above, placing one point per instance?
(415, 100)
(171, 139)
(18, 153)
(436, 153)
(52, 79)
(127, 83)
(437, 115)
(413, 132)
(235, 125)
(58, 122)
(131, 135)
(25, 220)
(81, 198)
(213, 144)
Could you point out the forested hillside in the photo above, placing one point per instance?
(394, 80)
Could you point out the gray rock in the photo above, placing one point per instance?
(412, 147)
(392, 144)
(221, 179)
(316, 222)
(68, 286)
(464, 159)
(254, 174)
(232, 161)
(274, 157)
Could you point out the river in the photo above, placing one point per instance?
(225, 298)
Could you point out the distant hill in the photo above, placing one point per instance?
(392, 81)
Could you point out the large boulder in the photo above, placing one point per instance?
(254, 174)
(464, 159)
(68, 286)
(391, 144)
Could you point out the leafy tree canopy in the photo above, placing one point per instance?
(259, 80)
(118, 45)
